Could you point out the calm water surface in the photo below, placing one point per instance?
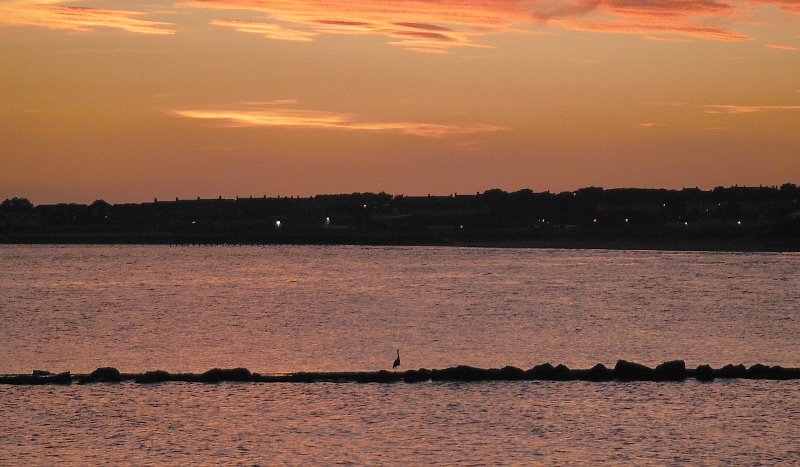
(736, 423)
(279, 309)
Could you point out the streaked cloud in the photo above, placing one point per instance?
(782, 47)
(51, 14)
(437, 26)
(267, 116)
(658, 19)
(667, 104)
(668, 8)
(747, 109)
(419, 25)
(786, 6)
(422, 25)
(270, 31)
(645, 28)
(667, 39)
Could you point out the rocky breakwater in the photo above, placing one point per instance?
(623, 371)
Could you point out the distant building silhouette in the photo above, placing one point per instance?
(751, 217)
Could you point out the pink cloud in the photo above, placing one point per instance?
(647, 28)
(668, 8)
(438, 25)
(421, 25)
(47, 14)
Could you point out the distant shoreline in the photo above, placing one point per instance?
(724, 219)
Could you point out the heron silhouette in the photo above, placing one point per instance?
(396, 360)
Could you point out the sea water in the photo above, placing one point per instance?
(307, 308)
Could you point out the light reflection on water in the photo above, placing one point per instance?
(283, 309)
(739, 423)
(305, 308)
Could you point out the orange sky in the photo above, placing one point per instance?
(133, 100)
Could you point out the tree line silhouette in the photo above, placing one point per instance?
(759, 218)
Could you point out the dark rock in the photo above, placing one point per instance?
(417, 376)
(270, 378)
(61, 378)
(38, 377)
(671, 371)
(598, 372)
(779, 372)
(382, 376)
(300, 377)
(459, 373)
(758, 371)
(511, 373)
(623, 371)
(629, 371)
(562, 373)
(541, 372)
(217, 375)
(21, 379)
(259, 378)
(105, 375)
(775, 372)
(704, 373)
(150, 377)
(730, 371)
(185, 377)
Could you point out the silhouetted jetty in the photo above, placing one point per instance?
(623, 371)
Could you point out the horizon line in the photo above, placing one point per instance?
(403, 195)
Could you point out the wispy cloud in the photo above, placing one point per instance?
(786, 6)
(51, 15)
(419, 25)
(667, 104)
(438, 25)
(667, 39)
(270, 31)
(747, 109)
(782, 47)
(645, 28)
(668, 8)
(657, 19)
(269, 116)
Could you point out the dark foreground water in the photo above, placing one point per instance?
(736, 423)
(287, 309)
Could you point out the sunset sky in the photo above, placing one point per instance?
(133, 100)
